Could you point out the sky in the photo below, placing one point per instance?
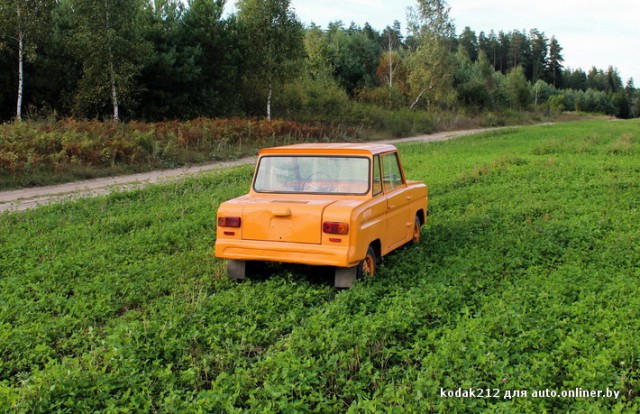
(591, 32)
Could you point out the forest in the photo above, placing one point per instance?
(152, 60)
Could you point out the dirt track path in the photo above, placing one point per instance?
(23, 199)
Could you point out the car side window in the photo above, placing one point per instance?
(392, 177)
(377, 180)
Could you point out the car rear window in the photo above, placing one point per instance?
(312, 174)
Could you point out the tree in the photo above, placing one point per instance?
(471, 79)
(557, 103)
(55, 72)
(519, 50)
(23, 21)
(391, 70)
(391, 61)
(630, 87)
(542, 91)
(391, 38)
(212, 51)
(431, 65)
(539, 52)
(276, 46)
(635, 103)
(613, 80)
(171, 67)
(491, 47)
(596, 80)
(517, 87)
(109, 43)
(621, 104)
(353, 56)
(554, 63)
(632, 94)
(575, 79)
(504, 40)
(316, 48)
(469, 42)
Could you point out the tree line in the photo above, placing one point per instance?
(169, 59)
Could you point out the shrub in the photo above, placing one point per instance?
(47, 150)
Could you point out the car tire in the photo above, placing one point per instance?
(417, 226)
(367, 266)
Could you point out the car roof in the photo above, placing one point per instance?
(329, 148)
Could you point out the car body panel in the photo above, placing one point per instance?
(287, 226)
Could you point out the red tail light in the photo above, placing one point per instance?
(332, 227)
(229, 221)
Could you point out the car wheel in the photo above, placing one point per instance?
(415, 239)
(367, 266)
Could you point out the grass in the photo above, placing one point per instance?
(35, 153)
(48, 152)
(527, 279)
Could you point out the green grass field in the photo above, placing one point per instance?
(528, 279)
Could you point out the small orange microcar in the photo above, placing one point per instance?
(340, 205)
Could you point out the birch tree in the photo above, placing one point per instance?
(431, 65)
(276, 45)
(22, 21)
(391, 61)
(109, 44)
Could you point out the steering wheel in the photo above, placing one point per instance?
(318, 174)
(317, 188)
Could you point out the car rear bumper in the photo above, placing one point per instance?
(310, 254)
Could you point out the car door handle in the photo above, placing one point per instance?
(409, 197)
(391, 206)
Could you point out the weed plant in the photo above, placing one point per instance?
(36, 153)
(48, 152)
(527, 279)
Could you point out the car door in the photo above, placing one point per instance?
(394, 186)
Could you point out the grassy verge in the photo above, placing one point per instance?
(36, 153)
(527, 280)
(39, 153)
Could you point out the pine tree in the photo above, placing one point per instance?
(539, 55)
(554, 64)
(469, 41)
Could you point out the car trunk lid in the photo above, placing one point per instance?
(284, 220)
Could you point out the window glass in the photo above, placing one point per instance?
(309, 174)
(392, 178)
(377, 181)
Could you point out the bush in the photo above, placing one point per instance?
(318, 98)
(557, 103)
(390, 98)
(35, 153)
(398, 123)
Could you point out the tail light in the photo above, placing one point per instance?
(332, 227)
(229, 221)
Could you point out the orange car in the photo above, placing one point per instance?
(342, 205)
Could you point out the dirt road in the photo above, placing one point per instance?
(33, 197)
